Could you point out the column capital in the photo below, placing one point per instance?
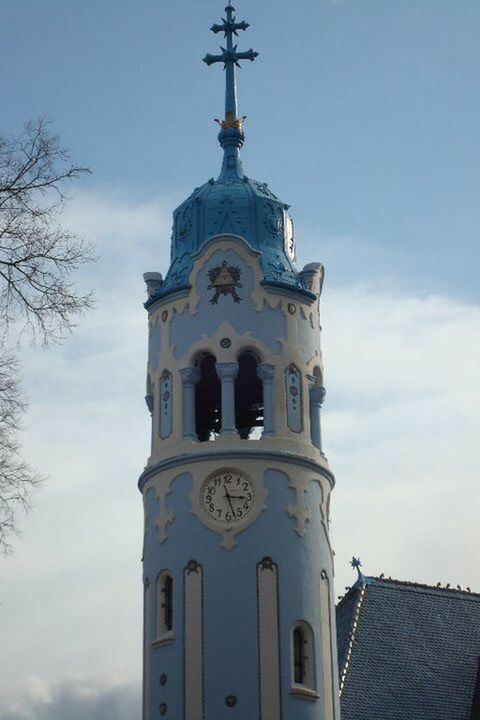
(227, 370)
(190, 375)
(317, 394)
(265, 371)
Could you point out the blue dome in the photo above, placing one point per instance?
(234, 204)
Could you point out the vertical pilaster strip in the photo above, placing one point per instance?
(190, 376)
(165, 405)
(268, 640)
(293, 389)
(147, 637)
(193, 641)
(265, 372)
(227, 372)
(327, 650)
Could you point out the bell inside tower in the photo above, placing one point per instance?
(208, 415)
(248, 397)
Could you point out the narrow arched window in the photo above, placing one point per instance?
(303, 657)
(164, 607)
(248, 397)
(208, 398)
(298, 656)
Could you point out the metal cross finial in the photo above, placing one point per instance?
(356, 564)
(230, 58)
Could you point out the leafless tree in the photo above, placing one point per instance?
(37, 295)
(17, 478)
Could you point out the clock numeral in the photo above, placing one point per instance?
(239, 512)
(245, 486)
(228, 517)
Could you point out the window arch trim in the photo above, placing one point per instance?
(303, 661)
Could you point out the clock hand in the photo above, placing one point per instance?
(229, 500)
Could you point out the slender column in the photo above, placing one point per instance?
(265, 372)
(190, 376)
(227, 372)
(317, 396)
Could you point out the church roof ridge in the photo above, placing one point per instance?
(381, 581)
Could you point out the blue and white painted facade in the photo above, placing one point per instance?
(223, 648)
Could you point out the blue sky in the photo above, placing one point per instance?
(364, 116)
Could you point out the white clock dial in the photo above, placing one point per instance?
(227, 497)
(289, 237)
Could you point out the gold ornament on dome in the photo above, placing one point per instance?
(231, 121)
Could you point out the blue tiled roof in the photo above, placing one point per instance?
(407, 651)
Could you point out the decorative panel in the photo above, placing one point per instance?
(193, 638)
(268, 643)
(327, 659)
(293, 389)
(165, 404)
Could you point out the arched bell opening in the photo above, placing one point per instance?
(249, 418)
(208, 399)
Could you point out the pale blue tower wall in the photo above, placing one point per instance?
(282, 327)
(231, 664)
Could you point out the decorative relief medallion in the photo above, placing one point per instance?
(293, 389)
(300, 511)
(164, 517)
(166, 414)
(164, 315)
(273, 219)
(292, 308)
(227, 501)
(223, 280)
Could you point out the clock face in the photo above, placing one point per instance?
(227, 497)
(289, 238)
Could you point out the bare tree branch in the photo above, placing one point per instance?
(37, 255)
(37, 294)
(17, 479)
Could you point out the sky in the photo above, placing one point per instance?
(364, 116)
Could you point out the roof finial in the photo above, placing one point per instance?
(356, 563)
(230, 58)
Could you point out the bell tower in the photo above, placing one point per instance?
(238, 567)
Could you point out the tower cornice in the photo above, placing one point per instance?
(272, 456)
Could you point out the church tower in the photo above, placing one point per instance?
(238, 567)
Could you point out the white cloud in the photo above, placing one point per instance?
(75, 699)
(399, 428)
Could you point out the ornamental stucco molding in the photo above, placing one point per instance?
(300, 481)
